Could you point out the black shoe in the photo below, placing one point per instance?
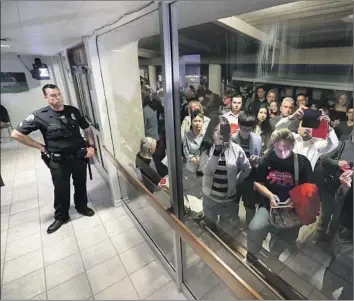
(56, 225)
(345, 235)
(250, 259)
(86, 211)
(212, 226)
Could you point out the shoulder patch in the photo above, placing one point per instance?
(30, 118)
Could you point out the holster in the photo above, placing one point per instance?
(45, 159)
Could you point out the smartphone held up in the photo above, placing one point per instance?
(312, 122)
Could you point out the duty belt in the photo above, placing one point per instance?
(58, 156)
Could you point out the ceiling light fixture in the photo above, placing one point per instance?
(5, 40)
(348, 18)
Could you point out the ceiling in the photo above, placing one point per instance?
(205, 39)
(301, 24)
(307, 24)
(48, 27)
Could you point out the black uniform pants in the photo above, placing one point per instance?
(61, 172)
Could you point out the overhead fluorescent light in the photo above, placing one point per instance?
(3, 45)
(348, 18)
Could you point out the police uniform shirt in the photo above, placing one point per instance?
(60, 129)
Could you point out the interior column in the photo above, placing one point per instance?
(215, 78)
(152, 77)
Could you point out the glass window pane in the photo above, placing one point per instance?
(136, 113)
(245, 70)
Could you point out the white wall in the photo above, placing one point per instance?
(20, 105)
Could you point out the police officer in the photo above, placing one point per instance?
(65, 151)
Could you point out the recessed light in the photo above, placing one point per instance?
(3, 45)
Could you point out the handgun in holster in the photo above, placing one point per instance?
(45, 158)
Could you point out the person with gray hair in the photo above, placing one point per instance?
(274, 179)
(142, 161)
(286, 110)
(147, 147)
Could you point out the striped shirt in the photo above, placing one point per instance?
(219, 187)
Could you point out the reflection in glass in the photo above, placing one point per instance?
(284, 71)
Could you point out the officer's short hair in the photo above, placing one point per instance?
(48, 86)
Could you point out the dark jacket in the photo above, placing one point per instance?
(327, 170)
(4, 115)
(150, 122)
(150, 177)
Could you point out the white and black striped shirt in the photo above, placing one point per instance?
(220, 185)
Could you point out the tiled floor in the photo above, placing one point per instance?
(101, 257)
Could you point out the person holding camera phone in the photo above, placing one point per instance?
(65, 151)
(340, 263)
(224, 165)
(305, 144)
(344, 197)
(344, 128)
(252, 146)
(332, 166)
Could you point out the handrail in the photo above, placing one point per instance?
(237, 285)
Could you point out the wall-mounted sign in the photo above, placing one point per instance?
(13, 82)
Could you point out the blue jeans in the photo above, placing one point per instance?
(212, 210)
(258, 230)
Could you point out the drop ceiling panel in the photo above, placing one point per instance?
(9, 13)
(47, 21)
(37, 9)
(297, 10)
(13, 34)
(55, 29)
(119, 7)
(85, 26)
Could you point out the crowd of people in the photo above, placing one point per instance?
(255, 148)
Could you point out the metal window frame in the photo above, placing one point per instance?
(170, 75)
(169, 42)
